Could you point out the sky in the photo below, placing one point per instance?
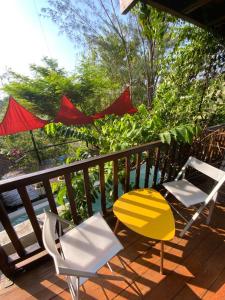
(26, 37)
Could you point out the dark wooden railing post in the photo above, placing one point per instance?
(6, 267)
(147, 169)
(87, 191)
(156, 164)
(30, 212)
(50, 196)
(127, 173)
(11, 232)
(115, 180)
(71, 199)
(171, 160)
(138, 167)
(102, 187)
(163, 172)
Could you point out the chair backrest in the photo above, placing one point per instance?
(86, 247)
(210, 171)
(205, 168)
(49, 239)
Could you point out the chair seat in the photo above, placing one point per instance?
(89, 245)
(186, 192)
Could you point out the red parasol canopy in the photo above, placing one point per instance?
(18, 119)
(120, 106)
(70, 115)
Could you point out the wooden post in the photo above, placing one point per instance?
(5, 266)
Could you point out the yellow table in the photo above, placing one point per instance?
(146, 212)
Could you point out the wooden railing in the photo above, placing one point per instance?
(165, 159)
(161, 164)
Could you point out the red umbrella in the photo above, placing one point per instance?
(18, 119)
(70, 115)
(122, 105)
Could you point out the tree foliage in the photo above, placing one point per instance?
(89, 87)
(192, 89)
(115, 133)
(130, 51)
(44, 87)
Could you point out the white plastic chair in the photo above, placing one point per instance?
(84, 249)
(189, 195)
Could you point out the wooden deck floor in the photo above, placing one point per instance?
(194, 269)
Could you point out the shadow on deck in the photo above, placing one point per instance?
(194, 268)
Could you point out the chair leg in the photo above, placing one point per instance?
(179, 214)
(74, 293)
(110, 268)
(166, 194)
(78, 284)
(172, 206)
(194, 217)
(212, 205)
(116, 226)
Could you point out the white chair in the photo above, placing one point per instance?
(189, 195)
(82, 250)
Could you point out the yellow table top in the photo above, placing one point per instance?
(146, 212)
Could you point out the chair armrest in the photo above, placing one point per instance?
(78, 273)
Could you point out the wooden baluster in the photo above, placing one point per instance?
(182, 156)
(171, 160)
(49, 195)
(31, 214)
(147, 169)
(115, 180)
(70, 194)
(6, 267)
(156, 164)
(11, 232)
(87, 191)
(127, 174)
(102, 187)
(175, 168)
(166, 153)
(138, 164)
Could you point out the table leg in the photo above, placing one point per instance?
(161, 257)
(116, 226)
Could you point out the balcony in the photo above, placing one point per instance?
(194, 264)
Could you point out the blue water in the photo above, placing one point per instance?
(23, 217)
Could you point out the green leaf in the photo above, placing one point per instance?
(165, 137)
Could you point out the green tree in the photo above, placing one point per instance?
(192, 89)
(156, 36)
(97, 90)
(89, 23)
(90, 88)
(131, 53)
(44, 87)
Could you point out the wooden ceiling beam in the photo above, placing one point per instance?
(212, 23)
(195, 5)
(218, 21)
(172, 11)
